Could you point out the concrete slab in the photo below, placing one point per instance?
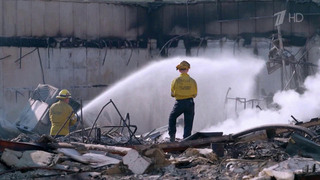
(136, 163)
(20, 159)
(31, 115)
(94, 159)
(158, 157)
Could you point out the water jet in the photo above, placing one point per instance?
(145, 94)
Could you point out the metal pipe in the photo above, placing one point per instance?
(122, 120)
(40, 61)
(131, 133)
(170, 40)
(5, 57)
(94, 123)
(276, 126)
(25, 55)
(81, 120)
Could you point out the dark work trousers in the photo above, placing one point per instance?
(185, 106)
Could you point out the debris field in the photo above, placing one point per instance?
(266, 152)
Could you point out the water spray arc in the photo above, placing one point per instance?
(145, 94)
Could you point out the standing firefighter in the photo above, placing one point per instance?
(183, 89)
(61, 115)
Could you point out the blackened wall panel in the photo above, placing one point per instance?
(196, 19)
(1, 18)
(229, 18)
(37, 18)
(66, 19)
(24, 12)
(105, 20)
(247, 17)
(9, 18)
(131, 22)
(80, 20)
(93, 16)
(265, 11)
(118, 24)
(211, 14)
(51, 18)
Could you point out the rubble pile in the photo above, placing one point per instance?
(288, 156)
(277, 151)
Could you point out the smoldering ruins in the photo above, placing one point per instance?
(255, 62)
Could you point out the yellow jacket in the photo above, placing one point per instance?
(184, 87)
(59, 113)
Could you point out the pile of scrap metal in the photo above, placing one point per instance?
(272, 151)
(34, 119)
(121, 134)
(115, 152)
(35, 116)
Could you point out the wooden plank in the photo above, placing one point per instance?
(181, 146)
(85, 147)
(19, 146)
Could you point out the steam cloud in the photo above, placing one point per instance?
(302, 106)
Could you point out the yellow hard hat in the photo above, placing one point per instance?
(183, 65)
(64, 94)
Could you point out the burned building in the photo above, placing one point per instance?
(87, 46)
(118, 59)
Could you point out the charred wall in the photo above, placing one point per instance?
(99, 24)
(88, 46)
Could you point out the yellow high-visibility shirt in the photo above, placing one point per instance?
(59, 113)
(184, 87)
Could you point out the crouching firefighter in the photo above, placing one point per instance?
(61, 115)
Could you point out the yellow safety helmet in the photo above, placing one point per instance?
(183, 65)
(64, 94)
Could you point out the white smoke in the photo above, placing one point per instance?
(302, 106)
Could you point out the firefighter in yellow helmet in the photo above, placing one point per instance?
(183, 89)
(61, 114)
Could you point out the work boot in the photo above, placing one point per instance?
(172, 138)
